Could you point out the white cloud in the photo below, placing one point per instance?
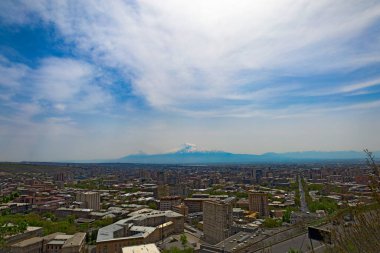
(184, 52)
(11, 73)
(70, 85)
(199, 59)
(359, 86)
(352, 89)
(56, 86)
(61, 79)
(60, 120)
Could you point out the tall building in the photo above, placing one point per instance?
(217, 220)
(258, 202)
(91, 199)
(168, 202)
(162, 190)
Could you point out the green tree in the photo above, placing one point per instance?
(70, 219)
(287, 214)
(8, 229)
(153, 205)
(183, 240)
(272, 223)
(93, 237)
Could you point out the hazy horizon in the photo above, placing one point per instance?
(84, 80)
(183, 149)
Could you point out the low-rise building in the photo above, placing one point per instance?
(31, 245)
(143, 226)
(30, 232)
(145, 248)
(53, 243)
(182, 209)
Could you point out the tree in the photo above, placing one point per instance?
(287, 214)
(94, 235)
(70, 219)
(153, 205)
(272, 223)
(363, 234)
(183, 240)
(371, 163)
(8, 229)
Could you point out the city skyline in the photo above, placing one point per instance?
(93, 80)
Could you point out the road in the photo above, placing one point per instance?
(303, 207)
(300, 242)
(194, 231)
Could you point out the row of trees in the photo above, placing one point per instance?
(323, 203)
(10, 197)
(17, 223)
(364, 234)
(51, 224)
(8, 229)
(297, 196)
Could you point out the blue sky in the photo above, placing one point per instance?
(102, 79)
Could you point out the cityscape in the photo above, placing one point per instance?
(119, 207)
(277, 105)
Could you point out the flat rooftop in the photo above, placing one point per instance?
(28, 242)
(107, 232)
(110, 232)
(145, 248)
(75, 240)
(56, 242)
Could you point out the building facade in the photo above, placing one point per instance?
(168, 202)
(91, 199)
(217, 220)
(53, 243)
(142, 227)
(258, 202)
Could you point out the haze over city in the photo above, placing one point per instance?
(104, 79)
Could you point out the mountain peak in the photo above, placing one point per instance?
(188, 148)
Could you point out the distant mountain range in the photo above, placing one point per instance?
(191, 154)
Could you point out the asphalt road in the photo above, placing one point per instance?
(303, 207)
(301, 242)
(192, 230)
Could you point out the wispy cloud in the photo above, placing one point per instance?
(181, 52)
(121, 75)
(349, 88)
(55, 86)
(11, 73)
(359, 86)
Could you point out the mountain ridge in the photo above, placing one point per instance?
(191, 154)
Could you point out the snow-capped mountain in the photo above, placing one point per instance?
(191, 154)
(187, 148)
(192, 148)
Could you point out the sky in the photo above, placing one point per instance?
(102, 79)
